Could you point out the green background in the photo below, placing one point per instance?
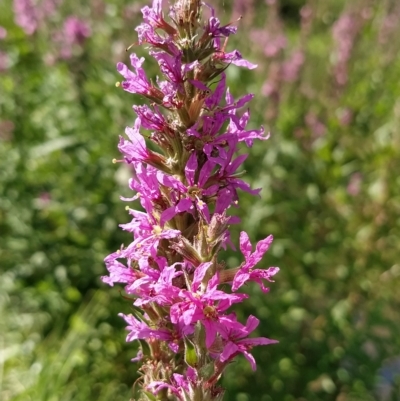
(331, 197)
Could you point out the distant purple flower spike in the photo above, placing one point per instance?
(76, 30)
(26, 15)
(73, 35)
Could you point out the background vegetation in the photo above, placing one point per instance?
(328, 89)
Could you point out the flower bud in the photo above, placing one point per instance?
(187, 14)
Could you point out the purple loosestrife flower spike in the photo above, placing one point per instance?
(183, 149)
(26, 15)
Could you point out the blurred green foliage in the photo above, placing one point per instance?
(331, 198)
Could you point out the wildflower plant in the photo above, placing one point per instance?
(186, 182)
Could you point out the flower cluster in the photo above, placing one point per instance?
(29, 14)
(74, 33)
(344, 33)
(26, 15)
(186, 181)
(36, 17)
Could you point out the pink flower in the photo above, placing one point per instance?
(207, 308)
(236, 341)
(246, 271)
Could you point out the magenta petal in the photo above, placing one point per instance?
(211, 332)
(215, 99)
(199, 85)
(187, 316)
(252, 323)
(167, 215)
(251, 359)
(259, 341)
(229, 350)
(244, 63)
(239, 279)
(191, 167)
(170, 182)
(123, 69)
(205, 172)
(199, 274)
(245, 245)
(264, 245)
(184, 205)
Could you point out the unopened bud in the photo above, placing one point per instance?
(217, 227)
(187, 14)
(186, 249)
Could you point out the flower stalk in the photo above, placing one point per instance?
(186, 187)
